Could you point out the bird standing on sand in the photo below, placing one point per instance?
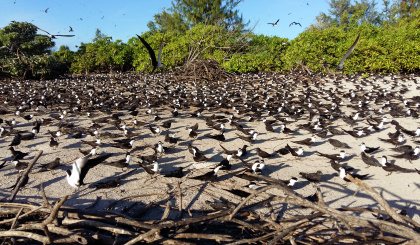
(307, 141)
(209, 176)
(367, 149)
(389, 167)
(312, 177)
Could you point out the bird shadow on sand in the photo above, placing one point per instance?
(195, 198)
(36, 144)
(272, 168)
(74, 145)
(349, 157)
(308, 153)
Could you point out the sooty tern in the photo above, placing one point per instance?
(156, 63)
(274, 24)
(79, 170)
(53, 36)
(340, 65)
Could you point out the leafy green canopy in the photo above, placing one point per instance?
(23, 52)
(185, 14)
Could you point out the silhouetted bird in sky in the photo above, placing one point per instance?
(274, 24)
(295, 23)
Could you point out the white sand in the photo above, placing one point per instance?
(401, 190)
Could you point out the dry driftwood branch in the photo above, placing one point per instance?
(97, 225)
(179, 196)
(373, 210)
(286, 231)
(385, 226)
(23, 176)
(57, 230)
(54, 211)
(377, 197)
(15, 219)
(44, 197)
(215, 237)
(248, 198)
(256, 239)
(25, 234)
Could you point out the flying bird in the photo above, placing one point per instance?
(54, 36)
(156, 63)
(295, 23)
(274, 24)
(71, 29)
(340, 65)
(75, 176)
(46, 10)
(81, 166)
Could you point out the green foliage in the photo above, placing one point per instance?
(385, 48)
(64, 58)
(25, 53)
(202, 29)
(200, 42)
(103, 55)
(262, 54)
(344, 13)
(185, 14)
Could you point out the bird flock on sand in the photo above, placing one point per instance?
(304, 128)
(210, 131)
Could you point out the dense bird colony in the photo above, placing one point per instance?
(150, 132)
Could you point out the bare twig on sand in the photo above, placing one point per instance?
(324, 224)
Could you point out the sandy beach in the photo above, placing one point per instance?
(139, 188)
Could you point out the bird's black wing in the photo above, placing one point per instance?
(64, 35)
(92, 163)
(42, 30)
(340, 65)
(151, 52)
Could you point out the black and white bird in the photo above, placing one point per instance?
(79, 170)
(209, 176)
(151, 170)
(409, 155)
(367, 149)
(121, 163)
(389, 167)
(343, 175)
(53, 36)
(274, 24)
(336, 157)
(225, 163)
(156, 63)
(154, 130)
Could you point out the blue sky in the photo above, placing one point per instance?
(123, 19)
